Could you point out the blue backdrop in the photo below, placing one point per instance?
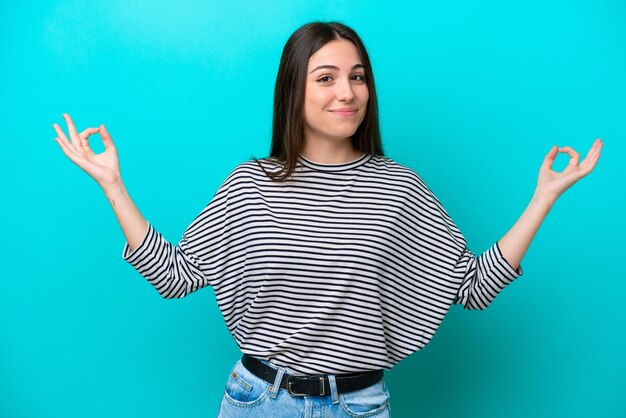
(472, 96)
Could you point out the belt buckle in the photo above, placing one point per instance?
(322, 391)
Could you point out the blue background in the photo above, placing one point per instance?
(472, 96)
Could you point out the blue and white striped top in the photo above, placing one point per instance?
(343, 268)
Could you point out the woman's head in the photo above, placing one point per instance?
(354, 93)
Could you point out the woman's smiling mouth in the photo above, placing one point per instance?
(344, 111)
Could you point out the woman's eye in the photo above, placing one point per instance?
(327, 79)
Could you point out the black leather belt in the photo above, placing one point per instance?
(312, 385)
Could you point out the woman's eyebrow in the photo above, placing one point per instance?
(334, 67)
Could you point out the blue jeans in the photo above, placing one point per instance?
(246, 395)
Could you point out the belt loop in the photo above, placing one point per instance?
(333, 388)
(276, 386)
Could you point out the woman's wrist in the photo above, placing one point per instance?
(543, 198)
(115, 190)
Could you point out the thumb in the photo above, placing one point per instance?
(549, 159)
(106, 137)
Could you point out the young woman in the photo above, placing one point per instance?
(330, 262)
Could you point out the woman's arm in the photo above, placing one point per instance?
(104, 168)
(133, 224)
(173, 270)
(550, 186)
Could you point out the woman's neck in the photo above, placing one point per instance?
(330, 152)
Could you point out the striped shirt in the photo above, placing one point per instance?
(343, 268)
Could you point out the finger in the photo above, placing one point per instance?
(106, 138)
(84, 135)
(588, 165)
(61, 134)
(76, 158)
(597, 146)
(595, 150)
(574, 157)
(72, 130)
(592, 158)
(67, 150)
(84, 139)
(549, 159)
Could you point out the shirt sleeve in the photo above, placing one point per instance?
(197, 261)
(481, 278)
(485, 277)
(173, 272)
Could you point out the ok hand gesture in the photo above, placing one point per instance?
(104, 168)
(552, 184)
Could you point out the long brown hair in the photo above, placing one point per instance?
(288, 123)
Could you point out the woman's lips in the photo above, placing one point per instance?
(343, 112)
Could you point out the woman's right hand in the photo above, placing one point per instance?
(104, 168)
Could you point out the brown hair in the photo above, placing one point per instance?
(288, 122)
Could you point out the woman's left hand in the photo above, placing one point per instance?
(552, 184)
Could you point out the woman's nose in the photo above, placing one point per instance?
(345, 93)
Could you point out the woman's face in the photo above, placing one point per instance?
(336, 93)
